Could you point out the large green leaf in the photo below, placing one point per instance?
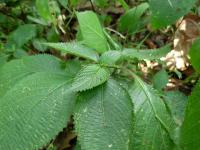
(90, 76)
(166, 12)
(104, 118)
(34, 110)
(194, 55)
(16, 70)
(153, 124)
(131, 20)
(189, 138)
(92, 31)
(22, 35)
(146, 54)
(75, 49)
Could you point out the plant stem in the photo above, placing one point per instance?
(71, 17)
(116, 32)
(112, 42)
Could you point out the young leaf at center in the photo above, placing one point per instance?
(90, 76)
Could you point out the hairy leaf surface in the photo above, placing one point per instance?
(153, 123)
(110, 57)
(34, 111)
(90, 76)
(15, 70)
(146, 54)
(92, 31)
(75, 49)
(104, 118)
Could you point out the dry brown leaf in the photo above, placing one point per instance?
(187, 31)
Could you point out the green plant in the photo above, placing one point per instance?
(112, 107)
